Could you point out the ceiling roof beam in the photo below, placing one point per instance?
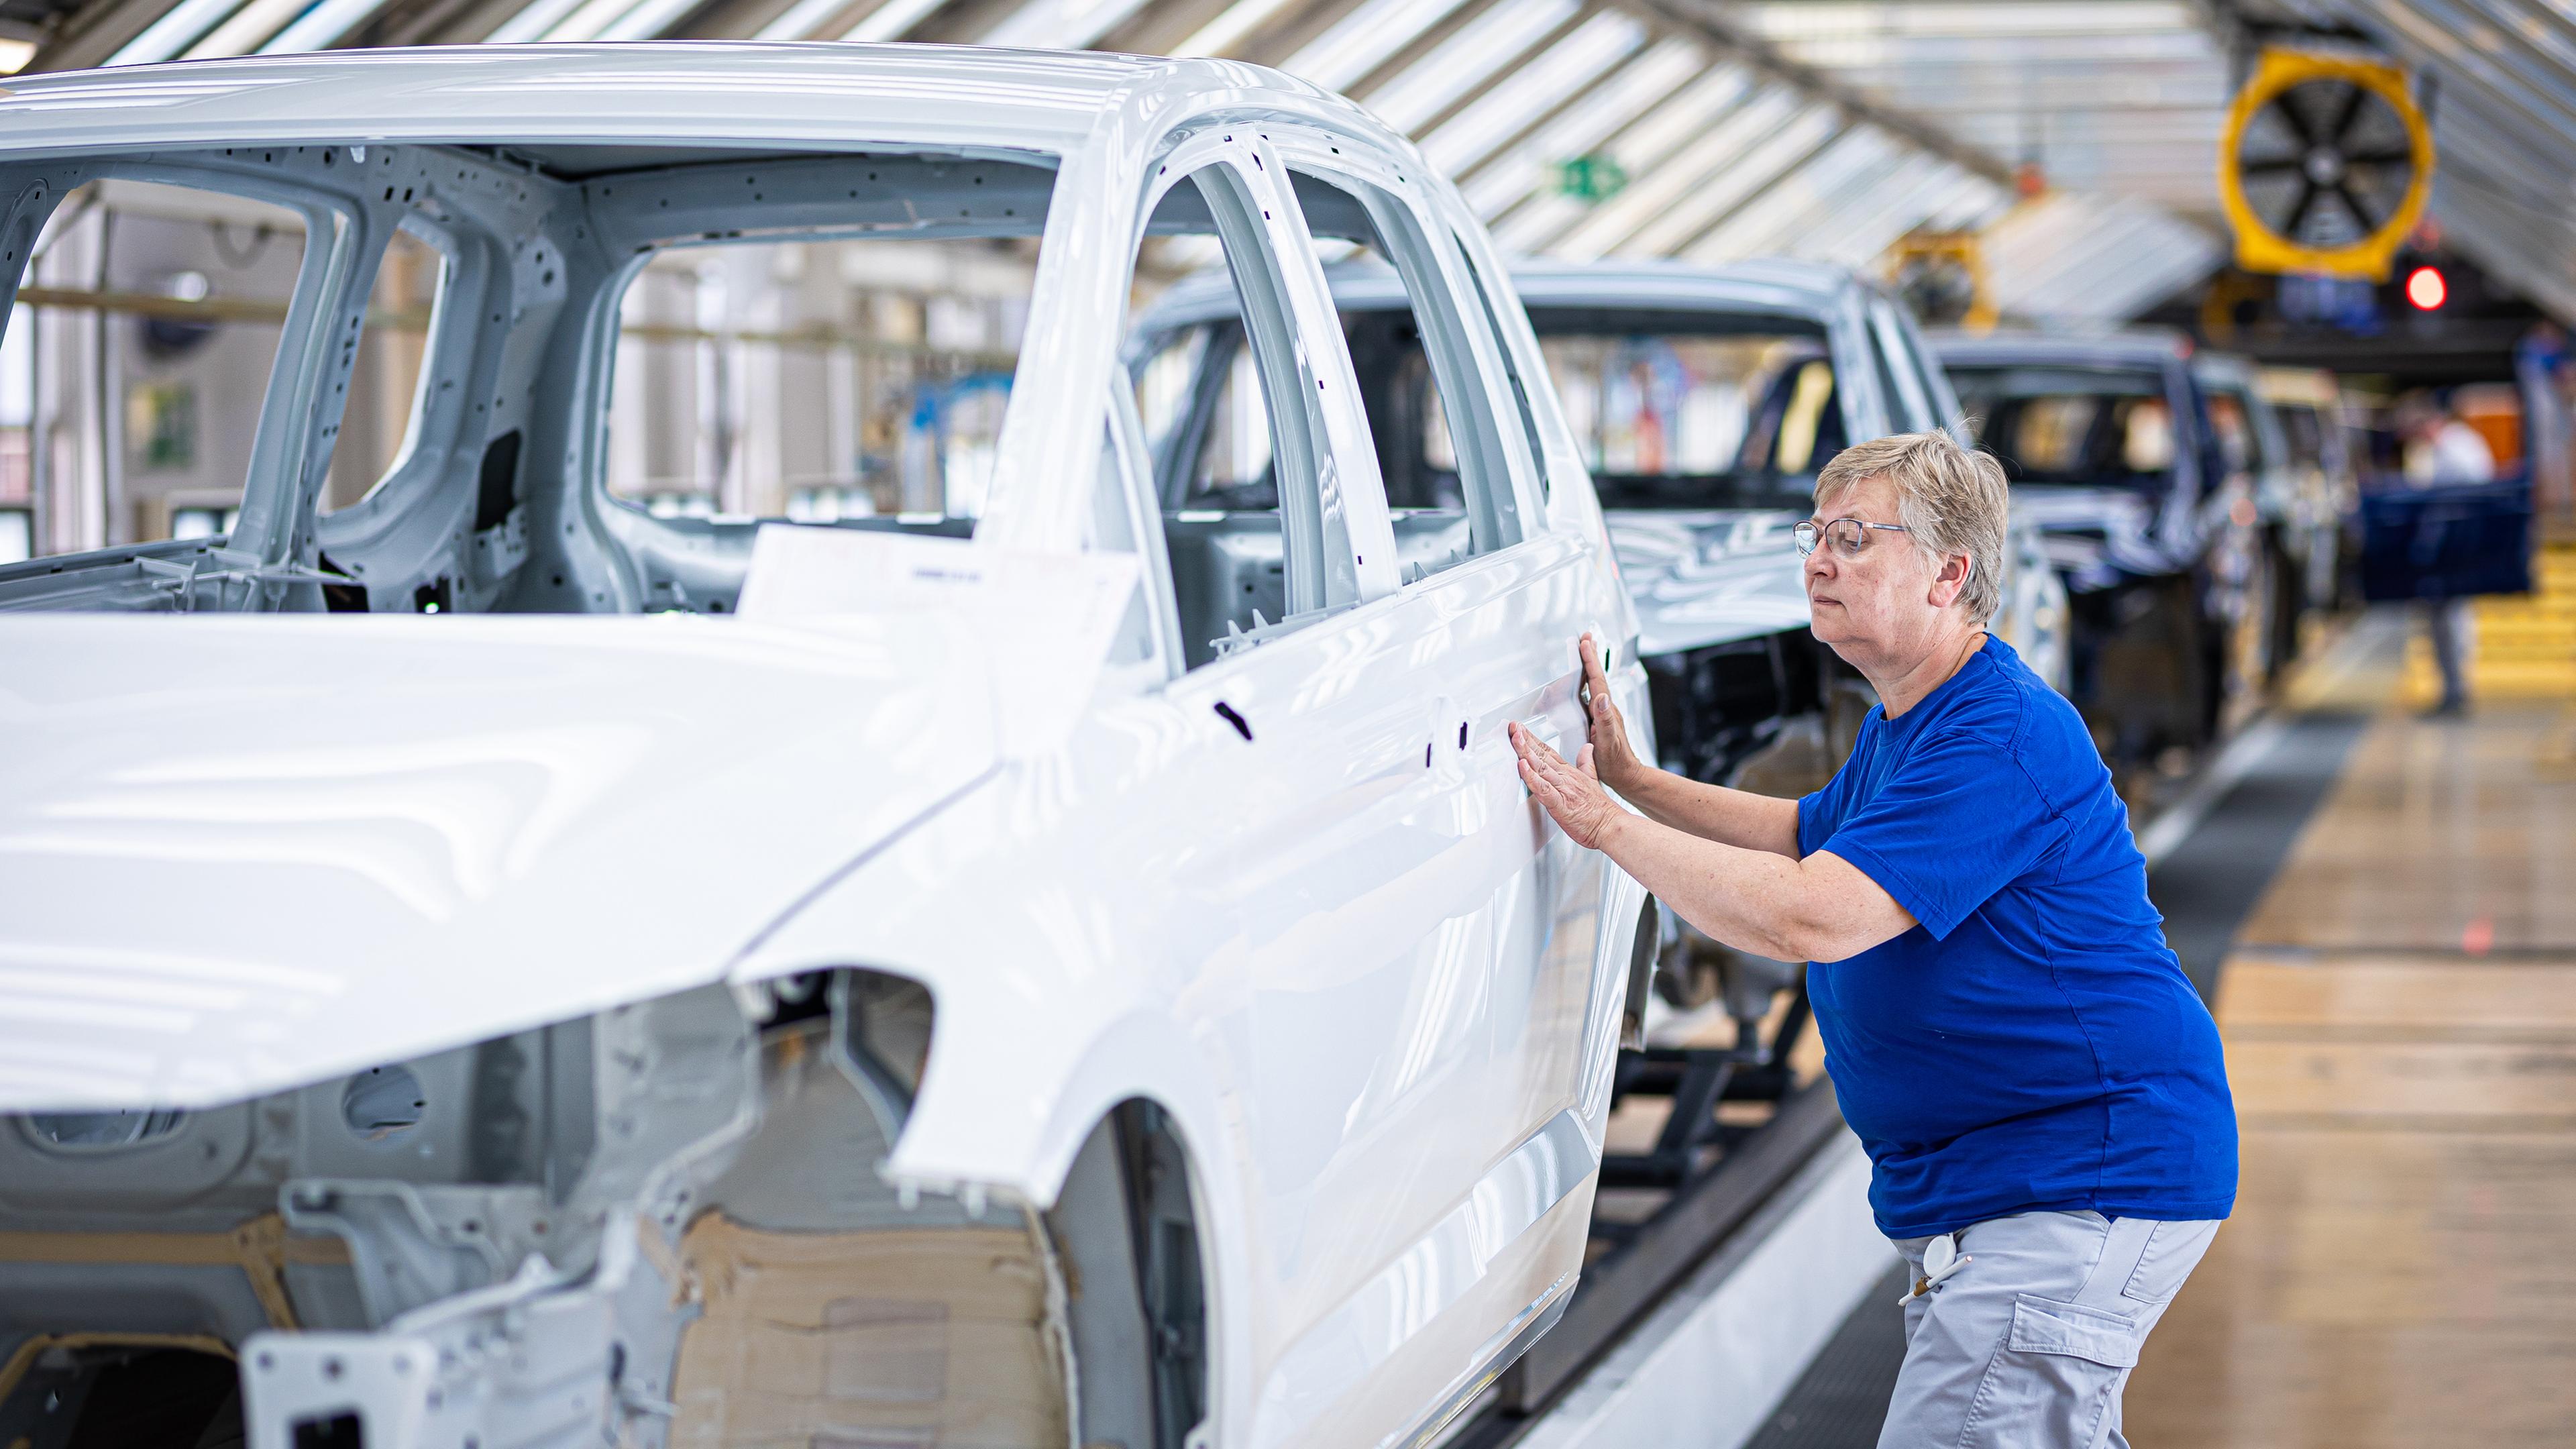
(2119, 80)
(1827, 159)
(802, 20)
(2423, 23)
(1366, 41)
(1966, 110)
(2093, 257)
(1721, 26)
(432, 22)
(891, 19)
(1060, 24)
(165, 37)
(1275, 31)
(1719, 167)
(1166, 26)
(1710, 180)
(2531, 42)
(96, 31)
(1455, 76)
(1863, 235)
(1534, 93)
(250, 26)
(1845, 54)
(1410, 44)
(1515, 172)
(1800, 210)
(1640, 148)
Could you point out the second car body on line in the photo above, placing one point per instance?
(2108, 442)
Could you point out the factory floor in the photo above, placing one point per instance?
(2400, 1017)
(2385, 908)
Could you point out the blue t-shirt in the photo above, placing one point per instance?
(2032, 1045)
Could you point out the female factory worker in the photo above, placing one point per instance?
(2040, 1090)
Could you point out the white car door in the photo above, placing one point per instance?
(1397, 1018)
(1449, 1194)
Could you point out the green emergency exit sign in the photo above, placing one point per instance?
(1594, 176)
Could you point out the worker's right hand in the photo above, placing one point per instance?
(1612, 756)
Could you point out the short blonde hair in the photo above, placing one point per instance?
(1952, 499)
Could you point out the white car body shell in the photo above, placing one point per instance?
(248, 853)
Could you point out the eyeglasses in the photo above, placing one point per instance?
(1849, 536)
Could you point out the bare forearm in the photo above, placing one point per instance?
(1725, 860)
(1738, 818)
(1763, 902)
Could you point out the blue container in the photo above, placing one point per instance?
(2447, 543)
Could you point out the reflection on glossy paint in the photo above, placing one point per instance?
(1448, 995)
(96, 1021)
(434, 823)
(1401, 1299)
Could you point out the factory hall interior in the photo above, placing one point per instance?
(1287, 724)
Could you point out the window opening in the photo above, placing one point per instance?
(152, 315)
(2304, 432)
(1163, 382)
(817, 380)
(1438, 441)
(378, 422)
(2073, 425)
(2231, 418)
(17, 460)
(1125, 519)
(1682, 411)
(1893, 413)
(1511, 364)
(1233, 469)
(1909, 402)
(1234, 437)
(1938, 396)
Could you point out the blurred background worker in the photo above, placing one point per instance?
(2442, 451)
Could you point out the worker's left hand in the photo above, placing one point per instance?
(1571, 793)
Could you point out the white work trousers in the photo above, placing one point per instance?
(2028, 1343)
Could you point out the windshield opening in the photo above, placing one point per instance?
(1695, 411)
(203, 412)
(145, 334)
(2102, 427)
(817, 379)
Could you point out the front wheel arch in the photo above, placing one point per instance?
(1127, 1222)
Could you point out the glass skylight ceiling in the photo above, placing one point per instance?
(2118, 104)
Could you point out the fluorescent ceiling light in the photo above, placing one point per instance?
(1457, 65)
(1364, 39)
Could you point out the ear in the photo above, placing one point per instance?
(1952, 580)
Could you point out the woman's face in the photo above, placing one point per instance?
(1886, 603)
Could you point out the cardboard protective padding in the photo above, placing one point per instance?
(889, 1339)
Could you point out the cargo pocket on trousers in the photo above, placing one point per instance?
(2052, 1382)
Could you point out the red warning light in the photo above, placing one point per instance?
(2426, 289)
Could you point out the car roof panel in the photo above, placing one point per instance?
(1809, 291)
(695, 92)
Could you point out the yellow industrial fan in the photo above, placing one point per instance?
(2324, 165)
(1941, 275)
